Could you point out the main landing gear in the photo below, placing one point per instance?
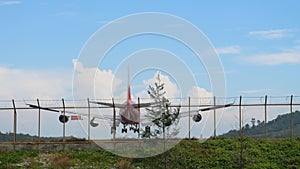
(134, 128)
(124, 130)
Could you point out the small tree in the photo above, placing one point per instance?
(164, 119)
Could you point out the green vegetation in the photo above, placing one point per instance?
(277, 128)
(218, 153)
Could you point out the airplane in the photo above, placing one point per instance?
(129, 114)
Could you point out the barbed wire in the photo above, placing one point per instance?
(178, 101)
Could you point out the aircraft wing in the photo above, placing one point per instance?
(44, 108)
(96, 119)
(141, 105)
(109, 104)
(195, 112)
(53, 110)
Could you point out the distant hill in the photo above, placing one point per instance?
(277, 128)
(9, 137)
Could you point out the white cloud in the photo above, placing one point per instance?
(172, 91)
(270, 34)
(32, 84)
(286, 56)
(229, 50)
(196, 92)
(93, 82)
(22, 84)
(3, 3)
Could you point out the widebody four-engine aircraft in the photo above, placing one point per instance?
(129, 113)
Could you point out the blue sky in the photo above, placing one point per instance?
(45, 36)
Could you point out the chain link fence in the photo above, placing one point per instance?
(39, 121)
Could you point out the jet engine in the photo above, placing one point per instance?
(197, 118)
(93, 123)
(63, 118)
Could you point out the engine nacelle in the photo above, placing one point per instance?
(93, 123)
(197, 118)
(63, 119)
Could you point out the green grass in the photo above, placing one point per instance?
(219, 153)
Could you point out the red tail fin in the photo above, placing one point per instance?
(128, 89)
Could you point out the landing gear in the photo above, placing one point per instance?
(124, 130)
(134, 128)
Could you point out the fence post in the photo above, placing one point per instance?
(89, 120)
(114, 123)
(15, 123)
(241, 160)
(64, 124)
(215, 130)
(139, 127)
(291, 116)
(39, 123)
(266, 128)
(189, 117)
(240, 117)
